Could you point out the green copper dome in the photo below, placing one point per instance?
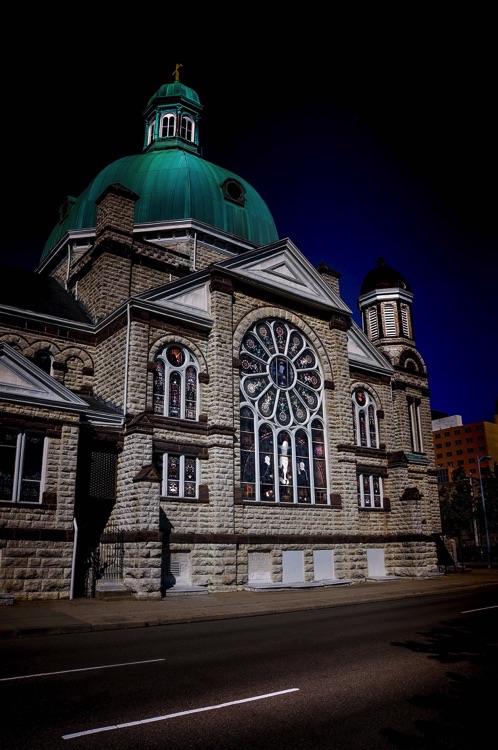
(173, 181)
(169, 90)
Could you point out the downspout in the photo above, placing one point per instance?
(194, 259)
(73, 568)
(127, 357)
(235, 423)
(68, 267)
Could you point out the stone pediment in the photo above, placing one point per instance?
(279, 267)
(193, 298)
(283, 268)
(22, 381)
(363, 354)
(185, 300)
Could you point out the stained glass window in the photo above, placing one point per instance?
(366, 431)
(283, 456)
(179, 474)
(175, 386)
(370, 491)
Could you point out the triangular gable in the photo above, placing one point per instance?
(284, 268)
(363, 354)
(23, 382)
(186, 300)
(280, 267)
(195, 298)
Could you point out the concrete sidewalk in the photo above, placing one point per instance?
(28, 618)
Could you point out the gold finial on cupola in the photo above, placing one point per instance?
(177, 71)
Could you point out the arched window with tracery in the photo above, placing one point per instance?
(283, 456)
(365, 421)
(175, 388)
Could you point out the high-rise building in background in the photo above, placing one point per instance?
(459, 446)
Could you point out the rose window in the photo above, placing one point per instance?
(282, 433)
(280, 374)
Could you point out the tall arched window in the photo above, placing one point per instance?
(150, 131)
(168, 125)
(175, 390)
(366, 427)
(415, 424)
(187, 128)
(283, 457)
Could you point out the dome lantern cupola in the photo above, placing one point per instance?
(174, 185)
(172, 117)
(385, 303)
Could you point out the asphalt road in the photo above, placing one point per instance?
(408, 673)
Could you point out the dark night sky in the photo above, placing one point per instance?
(364, 140)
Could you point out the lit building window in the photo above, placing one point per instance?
(187, 128)
(168, 125)
(150, 132)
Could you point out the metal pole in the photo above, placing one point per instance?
(488, 543)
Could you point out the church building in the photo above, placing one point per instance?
(186, 402)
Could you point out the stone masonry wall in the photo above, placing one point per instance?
(36, 539)
(105, 286)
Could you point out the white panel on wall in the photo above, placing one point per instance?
(292, 566)
(375, 560)
(323, 564)
(259, 567)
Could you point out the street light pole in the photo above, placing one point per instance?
(488, 543)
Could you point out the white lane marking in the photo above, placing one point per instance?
(179, 713)
(481, 609)
(84, 669)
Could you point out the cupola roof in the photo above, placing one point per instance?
(173, 181)
(383, 277)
